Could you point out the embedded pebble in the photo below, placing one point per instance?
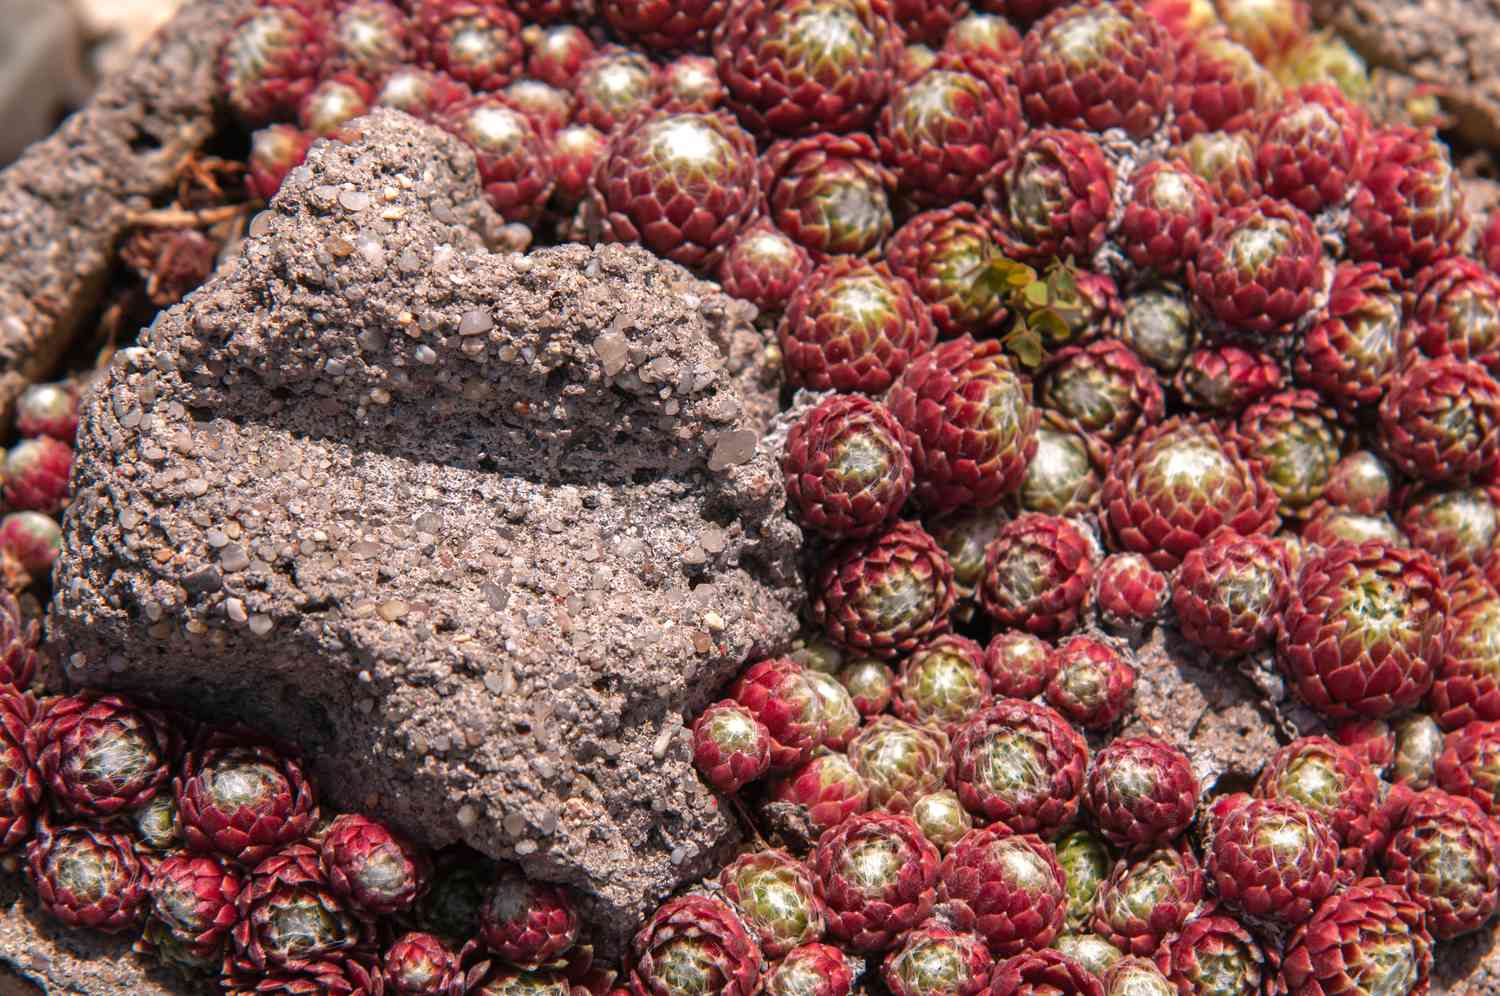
(733, 448)
(354, 200)
(614, 352)
(475, 323)
(234, 558)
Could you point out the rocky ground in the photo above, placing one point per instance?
(292, 540)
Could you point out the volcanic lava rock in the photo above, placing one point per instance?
(472, 531)
(66, 202)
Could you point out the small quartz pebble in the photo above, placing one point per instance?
(475, 323)
(234, 558)
(354, 200)
(733, 448)
(613, 352)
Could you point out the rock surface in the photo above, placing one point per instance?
(64, 204)
(1448, 47)
(475, 532)
(39, 957)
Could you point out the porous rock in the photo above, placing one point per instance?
(1446, 48)
(66, 202)
(475, 532)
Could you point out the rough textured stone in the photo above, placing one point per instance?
(39, 957)
(1448, 47)
(65, 203)
(462, 570)
(1215, 713)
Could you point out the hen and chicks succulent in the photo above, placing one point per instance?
(1114, 322)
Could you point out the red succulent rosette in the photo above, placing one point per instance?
(1224, 379)
(829, 193)
(477, 42)
(1214, 949)
(944, 131)
(1446, 853)
(1441, 420)
(1168, 211)
(1175, 484)
(1314, 148)
(1469, 766)
(1467, 686)
(731, 747)
(1094, 66)
(1038, 575)
(20, 637)
(1261, 269)
(1363, 632)
(853, 326)
(290, 919)
(1220, 87)
(970, 423)
(777, 695)
(1019, 764)
(271, 60)
(1455, 311)
(811, 970)
(1128, 591)
(706, 929)
(682, 184)
(1092, 684)
(1007, 888)
(527, 923)
(1230, 592)
(764, 266)
(665, 25)
(899, 762)
(1141, 792)
(829, 789)
(1372, 930)
(195, 897)
(274, 152)
(103, 754)
(1043, 971)
(1146, 899)
(1019, 664)
(885, 595)
(935, 959)
(48, 410)
(792, 67)
(1103, 388)
(243, 798)
(418, 964)
(1408, 211)
(87, 877)
(510, 153)
(1331, 780)
(371, 867)
(946, 255)
(846, 469)
(1054, 196)
(20, 783)
(1271, 860)
(876, 876)
(36, 475)
(1351, 352)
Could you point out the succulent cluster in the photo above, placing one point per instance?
(208, 845)
(1102, 319)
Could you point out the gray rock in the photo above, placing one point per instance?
(449, 549)
(65, 204)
